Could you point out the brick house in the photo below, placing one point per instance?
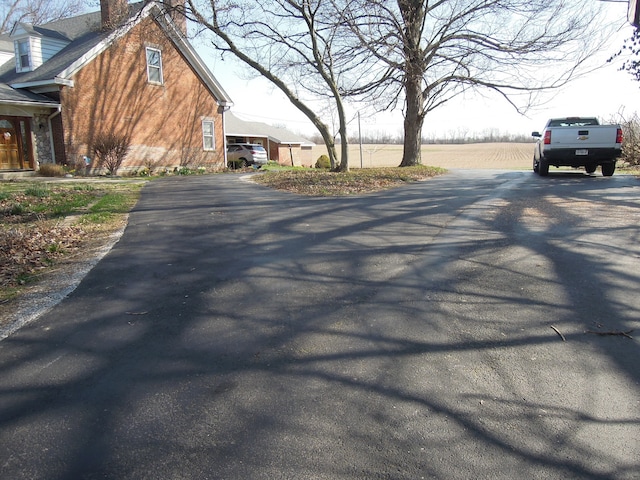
(127, 70)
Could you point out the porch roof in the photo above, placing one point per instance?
(12, 96)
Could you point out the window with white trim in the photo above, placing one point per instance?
(154, 65)
(208, 135)
(24, 52)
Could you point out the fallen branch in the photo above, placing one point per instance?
(613, 332)
(559, 333)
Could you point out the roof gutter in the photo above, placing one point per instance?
(43, 83)
(24, 103)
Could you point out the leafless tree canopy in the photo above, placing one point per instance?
(436, 50)
(299, 45)
(417, 54)
(36, 12)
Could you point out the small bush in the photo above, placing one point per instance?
(51, 170)
(631, 144)
(323, 162)
(110, 151)
(184, 171)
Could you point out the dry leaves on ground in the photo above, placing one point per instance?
(324, 183)
(27, 249)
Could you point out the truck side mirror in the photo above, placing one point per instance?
(536, 134)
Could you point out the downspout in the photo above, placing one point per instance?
(49, 118)
(225, 108)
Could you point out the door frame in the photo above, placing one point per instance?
(22, 127)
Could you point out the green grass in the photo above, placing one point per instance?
(44, 201)
(30, 211)
(39, 191)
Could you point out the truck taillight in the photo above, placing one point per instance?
(619, 136)
(547, 137)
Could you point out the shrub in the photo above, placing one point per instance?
(631, 144)
(323, 162)
(110, 151)
(183, 171)
(51, 170)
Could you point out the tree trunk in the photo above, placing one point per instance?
(328, 142)
(344, 144)
(413, 15)
(413, 121)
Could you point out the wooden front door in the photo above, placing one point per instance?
(15, 143)
(9, 149)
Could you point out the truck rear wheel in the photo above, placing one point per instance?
(543, 167)
(590, 168)
(536, 166)
(608, 169)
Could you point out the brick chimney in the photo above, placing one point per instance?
(176, 10)
(113, 13)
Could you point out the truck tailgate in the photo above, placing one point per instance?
(593, 136)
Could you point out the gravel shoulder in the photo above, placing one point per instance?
(56, 283)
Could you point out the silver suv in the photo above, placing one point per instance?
(239, 155)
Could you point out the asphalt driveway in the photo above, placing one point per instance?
(235, 332)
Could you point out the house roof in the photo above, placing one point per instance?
(235, 126)
(35, 30)
(87, 41)
(12, 96)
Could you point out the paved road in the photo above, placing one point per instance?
(236, 332)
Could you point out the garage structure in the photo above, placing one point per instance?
(283, 146)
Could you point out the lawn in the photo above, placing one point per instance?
(43, 223)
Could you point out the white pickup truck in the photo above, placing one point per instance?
(577, 142)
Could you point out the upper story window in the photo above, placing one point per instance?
(208, 136)
(24, 54)
(154, 65)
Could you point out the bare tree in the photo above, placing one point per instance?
(37, 12)
(436, 50)
(298, 45)
(631, 126)
(630, 51)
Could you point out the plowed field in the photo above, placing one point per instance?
(475, 155)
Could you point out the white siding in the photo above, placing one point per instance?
(36, 52)
(41, 48)
(51, 46)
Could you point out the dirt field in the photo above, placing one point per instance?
(512, 156)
